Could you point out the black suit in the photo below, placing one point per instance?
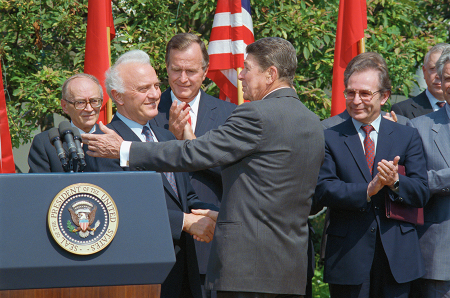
(42, 157)
(212, 112)
(186, 261)
(413, 107)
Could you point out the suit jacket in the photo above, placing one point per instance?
(434, 129)
(212, 112)
(342, 186)
(413, 107)
(186, 261)
(42, 157)
(269, 172)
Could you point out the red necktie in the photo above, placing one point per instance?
(369, 146)
(440, 104)
(185, 107)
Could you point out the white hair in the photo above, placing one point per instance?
(113, 80)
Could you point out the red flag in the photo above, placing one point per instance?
(97, 55)
(352, 20)
(6, 154)
(232, 31)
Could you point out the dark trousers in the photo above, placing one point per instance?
(380, 284)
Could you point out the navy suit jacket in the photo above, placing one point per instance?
(413, 107)
(212, 112)
(42, 157)
(342, 186)
(186, 261)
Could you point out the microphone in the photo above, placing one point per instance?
(55, 139)
(65, 130)
(80, 151)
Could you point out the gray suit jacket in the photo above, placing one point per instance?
(270, 152)
(434, 129)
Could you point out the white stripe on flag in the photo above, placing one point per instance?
(226, 46)
(247, 20)
(231, 75)
(221, 19)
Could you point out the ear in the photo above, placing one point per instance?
(117, 97)
(271, 74)
(385, 97)
(206, 71)
(64, 105)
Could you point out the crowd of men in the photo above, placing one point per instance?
(267, 163)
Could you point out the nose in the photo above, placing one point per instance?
(154, 93)
(241, 75)
(88, 107)
(183, 76)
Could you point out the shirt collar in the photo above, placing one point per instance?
(375, 123)
(433, 100)
(193, 103)
(274, 91)
(134, 126)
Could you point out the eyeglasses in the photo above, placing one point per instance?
(81, 104)
(365, 95)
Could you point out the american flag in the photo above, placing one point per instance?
(232, 31)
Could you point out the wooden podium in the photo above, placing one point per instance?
(133, 264)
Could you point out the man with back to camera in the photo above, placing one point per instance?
(261, 238)
(368, 254)
(434, 129)
(134, 87)
(187, 63)
(82, 98)
(432, 99)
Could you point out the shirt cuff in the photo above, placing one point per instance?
(125, 154)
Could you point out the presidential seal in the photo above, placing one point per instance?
(83, 219)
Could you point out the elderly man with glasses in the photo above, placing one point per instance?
(82, 98)
(368, 254)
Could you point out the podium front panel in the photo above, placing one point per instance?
(140, 253)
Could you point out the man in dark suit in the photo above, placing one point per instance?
(268, 172)
(187, 62)
(82, 97)
(432, 98)
(134, 87)
(434, 129)
(367, 254)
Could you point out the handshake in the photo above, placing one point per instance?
(200, 224)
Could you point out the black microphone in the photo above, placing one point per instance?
(80, 151)
(55, 139)
(65, 130)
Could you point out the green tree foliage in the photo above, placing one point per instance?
(42, 43)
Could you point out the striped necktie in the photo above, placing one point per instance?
(369, 146)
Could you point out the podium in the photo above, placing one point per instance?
(133, 264)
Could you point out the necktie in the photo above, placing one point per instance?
(185, 107)
(369, 146)
(440, 104)
(169, 175)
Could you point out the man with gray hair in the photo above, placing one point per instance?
(269, 172)
(434, 236)
(134, 87)
(81, 100)
(432, 99)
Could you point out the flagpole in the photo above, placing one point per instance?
(239, 87)
(362, 45)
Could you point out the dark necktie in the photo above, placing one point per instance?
(169, 175)
(185, 107)
(440, 104)
(369, 146)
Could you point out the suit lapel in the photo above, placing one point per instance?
(440, 132)
(384, 143)
(353, 143)
(205, 115)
